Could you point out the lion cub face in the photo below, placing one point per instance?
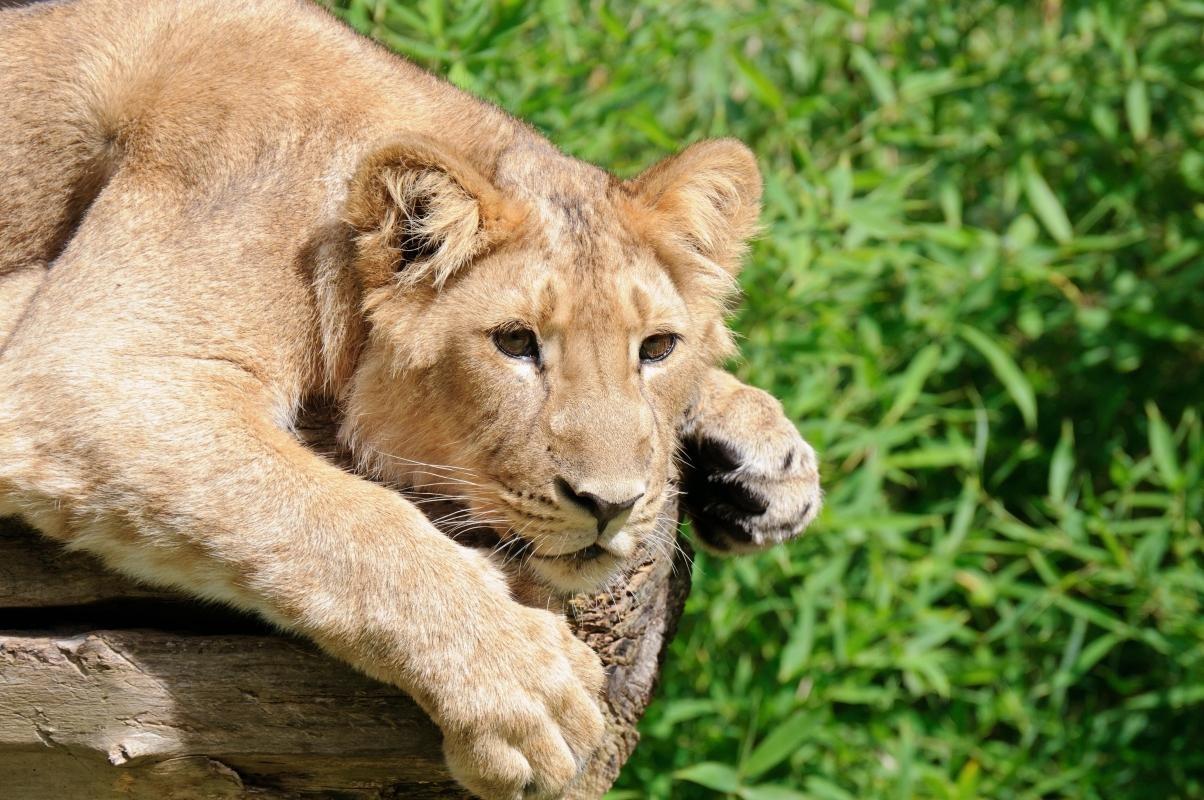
(537, 337)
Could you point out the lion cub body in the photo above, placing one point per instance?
(211, 212)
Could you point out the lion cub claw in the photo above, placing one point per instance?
(750, 480)
(527, 718)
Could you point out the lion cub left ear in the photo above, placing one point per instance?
(421, 213)
(705, 199)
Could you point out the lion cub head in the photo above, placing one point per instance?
(537, 331)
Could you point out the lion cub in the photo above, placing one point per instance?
(211, 212)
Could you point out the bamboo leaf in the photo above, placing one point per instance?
(712, 775)
(912, 383)
(1061, 464)
(1162, 448)
(771, 792)
(1137, 109)
(1007, 371)
(875, 77)
(759, 83)
(781, 742)
(1045, 203)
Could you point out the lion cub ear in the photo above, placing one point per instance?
(705, 199)
(421, 212)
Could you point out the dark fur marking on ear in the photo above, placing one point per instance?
(412, 247)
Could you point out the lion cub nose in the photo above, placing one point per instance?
(603, 510)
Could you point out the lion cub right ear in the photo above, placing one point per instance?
(421, 213)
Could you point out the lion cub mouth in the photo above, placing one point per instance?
(485, 537)
(517, 545)
(587, 553)
(579, 570)
(590, 553)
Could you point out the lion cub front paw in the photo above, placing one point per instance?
(750, 480)
(524, 718)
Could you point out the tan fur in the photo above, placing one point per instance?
(211, 213)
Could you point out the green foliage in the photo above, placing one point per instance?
(979, 294)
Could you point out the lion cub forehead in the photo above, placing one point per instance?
(583, 228)
(585, 261)
(573, 204)
(629, 298)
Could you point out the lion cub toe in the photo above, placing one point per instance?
(530, 735)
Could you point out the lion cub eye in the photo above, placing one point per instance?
(517, 343)
(657, 347)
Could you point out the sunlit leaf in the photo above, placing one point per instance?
(912, 383)
(1162, 447)
(712, 775)
(877, 78)
(1045, 203)
(802, 638)
(1137, 109)
(762, 87)
(781, 742)
(1008, 372)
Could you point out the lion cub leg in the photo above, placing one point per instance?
(177, 474)
(750, 479)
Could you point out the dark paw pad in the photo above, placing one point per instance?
(722, 506)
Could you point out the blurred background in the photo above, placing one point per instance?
(980, 295)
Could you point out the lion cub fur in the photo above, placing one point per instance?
(211, 211)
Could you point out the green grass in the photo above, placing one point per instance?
(980, 294)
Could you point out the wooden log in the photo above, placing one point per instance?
(132, 713)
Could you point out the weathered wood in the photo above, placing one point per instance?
(105, 713)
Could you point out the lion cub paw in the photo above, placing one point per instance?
(750, 480)
(524, 719)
